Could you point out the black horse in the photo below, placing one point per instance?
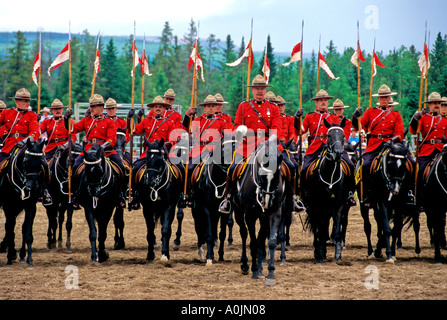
(327, 192)
(392, 180)
(22, 182)
(434, 197)
(99, 189)
(259, 194)
(58, 189)
(159, 188)
(118, 216)
(208, 192)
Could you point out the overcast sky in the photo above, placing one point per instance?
(392, 22)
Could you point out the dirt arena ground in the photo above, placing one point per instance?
(126, 276)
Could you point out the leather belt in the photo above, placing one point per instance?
(381, 136)
(56, 140)
(19, 135)
(319, 137)
(432, 141)
(95, 140)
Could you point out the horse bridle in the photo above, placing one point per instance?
(158, 179)
(23, 175)
(389, 179)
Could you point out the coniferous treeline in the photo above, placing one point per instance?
(169, 70)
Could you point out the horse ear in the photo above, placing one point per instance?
(444, 139)
(29, 145)
(289, 143)
(162, 142)
(84, 151)
(343, 123)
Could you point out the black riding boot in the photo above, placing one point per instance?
(225, 205)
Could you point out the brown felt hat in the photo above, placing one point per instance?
(22, 94)
(338, 104)
(96, 100)
(384, 91)
(158, 100)
(434, 97)
(322, 94)
(259, 81)
(169, 94)
(210, 99)
(56, 104)
(220, 99)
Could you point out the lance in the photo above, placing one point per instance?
(193, 104)
(95, 66)
(40, 72)
(318, 63)
(70, 157)
(424, 73)
(250, 61)
(133, 102)
(300, 139)
(359, 106)
(372, 72)
(142, 89)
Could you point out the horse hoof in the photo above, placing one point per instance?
(244, 270)
(270, 282)
(175, 246)
(209, 262)
(389, 260)
(200, 254)
(164, 259)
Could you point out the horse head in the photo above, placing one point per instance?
(94, 160)
(120, 145)
(335, 140)
(267, 170)
(293, 148)
(394, 167)
(222, 154)
(156, 162)
(32, 165)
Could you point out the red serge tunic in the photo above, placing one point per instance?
(206, 130)
(155, 128)
(18, 125)
(287, 128)
(226, 117)
(121, 124)
(432, 129)
(56, 132)
(246, 115)
(314, 122)
(382, 125)
(97, 129)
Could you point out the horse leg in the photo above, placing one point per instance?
(344, 225)
(209, 235)
(337, 233)
(92, 232)
(275, 220)
(199, 220)
(222, 234)
(167, 218)
(150, 237)
(118, 221)
(230, 229)
(251, 224)
(103, 222)
(60, 222)
(69, 226)
(10, 236)
(244, 234)
(386, 231)
(438, 232)
(367, 227)
(282, 240)
(396, 232)
(178, 234)
(52, 226)
(27, 233)
(416, 228)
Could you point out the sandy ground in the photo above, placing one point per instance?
(127, 276)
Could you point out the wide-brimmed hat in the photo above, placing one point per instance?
(322, 94)
(158, 100)
(22, 94)
(270, 96)
(259, 81)
(169, 94)
(220, 99)
(45, 110)
(2, 105)
(280, 100)
(434, 97)
(338, 104)
(210, 99)
(392, 102)
(56, 104)
(96, 100)
(444, 100)
(384, 91)
(111, 103)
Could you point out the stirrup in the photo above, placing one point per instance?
(351, 201)
(225, 206)
(298, 205)
(47, 200)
